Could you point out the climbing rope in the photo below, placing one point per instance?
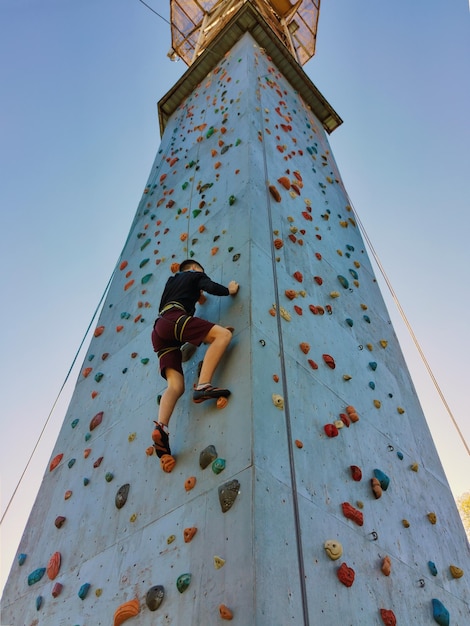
(58, 396)
(410, 330)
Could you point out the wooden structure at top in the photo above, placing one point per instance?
(195, 23)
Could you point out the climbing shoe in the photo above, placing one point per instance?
(209, 393)
(160, 441)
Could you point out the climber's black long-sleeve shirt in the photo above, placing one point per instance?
(185, 288)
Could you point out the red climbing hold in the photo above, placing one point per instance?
(331, 430)
(329, 360)
(353, 514)
(346, 575)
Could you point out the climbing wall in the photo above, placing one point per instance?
(316, 495)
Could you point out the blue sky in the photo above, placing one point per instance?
(78, 134)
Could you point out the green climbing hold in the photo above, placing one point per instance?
(196, 212)
(71, 463)
(75, 422)
(91, 357)
(145, 244)
(183, 581)
(99, 376)
(354, 274)
(146, 278)
(210, 132)
(144, 262)
(144, 361)
(343, 281)
(231, 200)
(125, 315)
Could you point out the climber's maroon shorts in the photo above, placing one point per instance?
(171, 331)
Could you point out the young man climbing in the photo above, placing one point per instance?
(175, 326)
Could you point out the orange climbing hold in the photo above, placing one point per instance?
(128, 284)
(290, 293)
(284, 181)
(225, 612)
(55, 461)
(189, 533)
(99, 330)
(53, 566)
(123, 265)
(167, 463)
(278, 244)
(125, 611)
(190, 483)
(221, 402)
(305, 347)
(87, 371)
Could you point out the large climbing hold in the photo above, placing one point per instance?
(125, 611)
(440, 613)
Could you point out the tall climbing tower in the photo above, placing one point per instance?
(315, 496)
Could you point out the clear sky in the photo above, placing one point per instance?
(79, 84)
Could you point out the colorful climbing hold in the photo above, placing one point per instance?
(333, 549)
(55, 461)
(96, 420)
(346, 575)
(53, 566)
(36, 576)
(183, 581)
(388, 617)
(440, 613)
(125, 611)
(225, 612)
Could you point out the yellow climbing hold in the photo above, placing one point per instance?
(278, 400)
(383, 343)
(334, 294)
(377, 404)
(456, 571)
(218, 562)
(400, 410)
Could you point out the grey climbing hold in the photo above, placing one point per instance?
(207, 456)
(228, 493)
(155, 597)
(121, 496)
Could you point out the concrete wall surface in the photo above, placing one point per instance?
(245, 182)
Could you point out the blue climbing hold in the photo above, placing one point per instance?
(21, 558)
(83, 591)
(440, 613)
(432, 568)
(383, 479)
(36, 576)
